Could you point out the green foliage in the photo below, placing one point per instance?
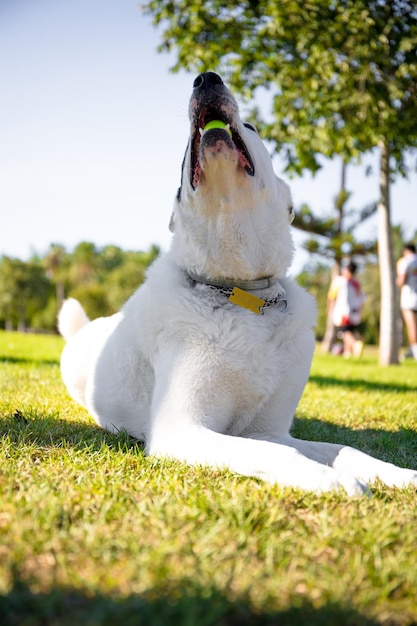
(24, 290)
(333, 237)
(342, 73)
(94, 532)
(102, 279)
(316, 279)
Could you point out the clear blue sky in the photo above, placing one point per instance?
(93, 127)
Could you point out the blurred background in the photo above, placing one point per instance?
(93, 127)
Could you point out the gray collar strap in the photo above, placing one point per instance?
(229, 287)
(229, 283)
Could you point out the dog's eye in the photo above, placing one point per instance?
(250, 126)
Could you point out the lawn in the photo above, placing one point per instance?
(92, 532)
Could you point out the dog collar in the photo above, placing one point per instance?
(235, 291)
(229, 283)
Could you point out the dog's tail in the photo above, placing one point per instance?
(71, 318)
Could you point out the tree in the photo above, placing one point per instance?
(344, 81)
(24, 289)
(56, 266)
(84, 263)
(103, 279)
(316, 278)
(125, 279)
(334, 238)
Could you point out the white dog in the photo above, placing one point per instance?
(208, 359)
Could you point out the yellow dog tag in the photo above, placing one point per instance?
(246, 300)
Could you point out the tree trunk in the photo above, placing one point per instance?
(388, 335)
(60, 293)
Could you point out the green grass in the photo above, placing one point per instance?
(92, 532)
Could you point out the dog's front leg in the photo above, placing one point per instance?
(348, 460)
(360, 464)
(181, 413)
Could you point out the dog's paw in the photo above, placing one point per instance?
(330, 480)
(368, 469)
(394, 476)
(352, 485)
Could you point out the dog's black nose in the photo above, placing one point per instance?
(207, 81)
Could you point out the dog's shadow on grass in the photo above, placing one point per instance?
(51, 431)
(184, 604)
(398, 447)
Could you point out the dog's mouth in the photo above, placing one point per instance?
(223, 130)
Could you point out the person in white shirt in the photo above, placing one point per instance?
(407, 282)
(345, 302)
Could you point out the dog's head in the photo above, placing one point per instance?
(232, 212)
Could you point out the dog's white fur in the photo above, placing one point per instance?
(197, 377)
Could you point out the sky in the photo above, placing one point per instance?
(93, 128)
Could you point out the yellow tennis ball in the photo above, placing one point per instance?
(217, 124)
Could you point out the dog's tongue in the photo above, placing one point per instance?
(214, 124)
(203, 142)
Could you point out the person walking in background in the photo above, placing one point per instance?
(407, 282)
(345, 301)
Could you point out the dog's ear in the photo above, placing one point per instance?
(171, 225)
(172, 218)
(284, 194)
